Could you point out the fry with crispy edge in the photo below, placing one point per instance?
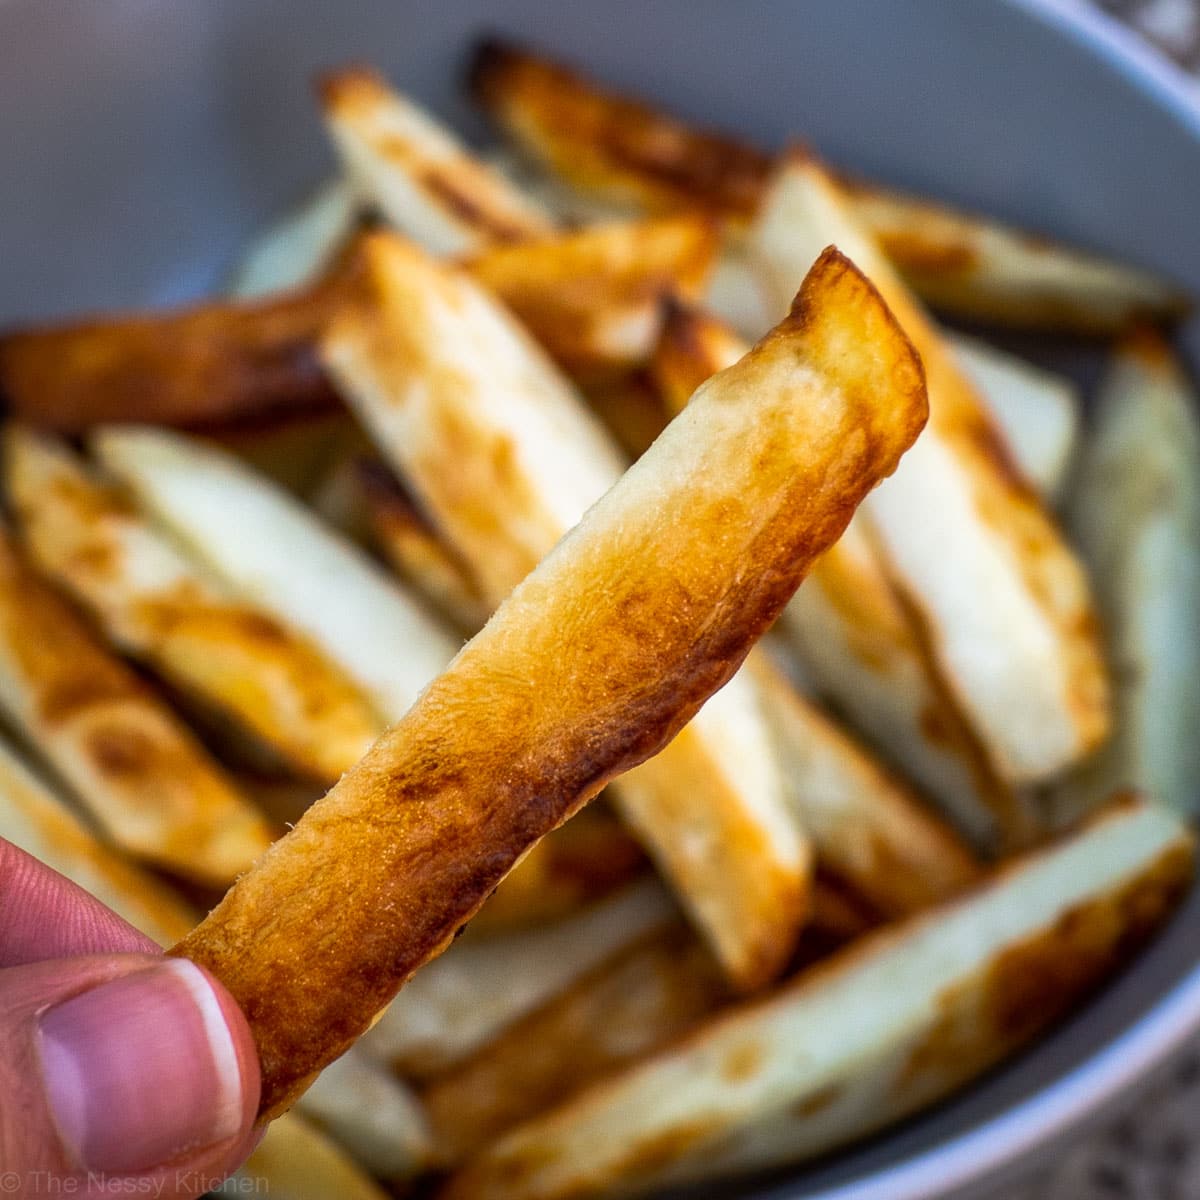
(157, 604)
(896, 1021)
(629, 154)
(502, 454)
(594, 663)
(858, 643)
(1134, 510)
(417, 172)
(274, 554)
(128, 759)
(1010, 624)
(211, 363)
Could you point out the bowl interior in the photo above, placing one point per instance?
(145, 142)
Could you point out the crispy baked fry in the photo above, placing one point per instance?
(483, 984)
(1011, 626)
(1035, 410)
(898, 1020)
(867, 828)
(502, 454)
(219, 361)
(36, 819)
(275, 555)
(592, 665)
(157, 604)
(627, 153)
(1134, 510)
(417, 173)
(593, 297)
(135, 767)
(302, 244)
(857, 642)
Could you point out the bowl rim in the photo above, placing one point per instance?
(1002, 1142)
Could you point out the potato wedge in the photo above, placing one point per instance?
(301, 245)
(893, 1023)
(482, 984)
(501, 453)
(1134, 510)
(275, 555)
(127, 758)
(866, 827)
(1036, 411)
(593, 664)
(158, 605)
(593, 297)
(638, 999)
(624, 152)
(1011, 627)
(219, 361)
(36, 819)
(417, 173)
(858, 644)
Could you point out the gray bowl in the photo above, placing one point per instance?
(144, 141)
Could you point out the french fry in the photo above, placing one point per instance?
(1134, 510)
(866, 827)
(637, 1000)
(158, 605)
(483, 984)
(295, 1161)
(896, 1021)
(36, 819)
(592, 665)
(859, 645)
(1011, 627)
(219, 361)
(626, 153)
(275, 555)
(581, 862)
(301, 245)
(1036, 411)
(502, 454)
(143, 777)
(630, 408)
(417, 173)
(593, 297)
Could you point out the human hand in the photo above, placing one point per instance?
(121, 1072)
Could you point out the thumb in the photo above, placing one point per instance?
(122, 1067)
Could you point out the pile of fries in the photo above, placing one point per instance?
(943, 800)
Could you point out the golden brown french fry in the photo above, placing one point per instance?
(634, 1002)
(898, 1020)
(135, 767)
(596, 661)
(626, 153)
(417, 173)
(582, 861)
(1134, 511)
(500, 451)
(158, 605)
(630, 407)
(867, 828)
(593, 297)
(484, 983)
(1010, 624)
(275, 554)
(859, 645)
(36, 819)
(216, 362)
(419, 556)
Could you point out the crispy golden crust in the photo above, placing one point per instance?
(149, 783)
(592, 296)
(584, 860)
(212, 363)
(591, 666)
